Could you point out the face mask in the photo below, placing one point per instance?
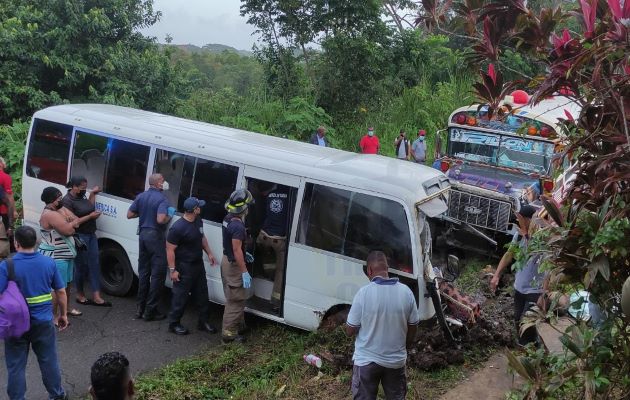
(370, 133)
(165, 186)
(82, 193)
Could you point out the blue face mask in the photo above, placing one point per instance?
(370, 133)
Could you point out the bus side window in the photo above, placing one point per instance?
(90, 154)
(48, 151)
(352, 224)
(177, 169)
(214, 182)
(126, 168)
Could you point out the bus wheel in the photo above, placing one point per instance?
(116, 273)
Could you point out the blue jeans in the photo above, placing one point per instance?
(41, 337)
(87, 264)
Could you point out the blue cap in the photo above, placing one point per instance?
(191, 203)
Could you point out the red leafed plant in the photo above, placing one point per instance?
(588, 245)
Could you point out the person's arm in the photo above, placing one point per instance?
(353, 321)
(361, 144)
(408, 149)
(62, 302)
(505, 261)
(413, 153)
(411, 335)
(12, 213)
(170, 259)
(59, 223)
(239, 257)
(95, 190)
(163, 217)
(206, 248)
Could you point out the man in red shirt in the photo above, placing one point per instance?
(6, 183)
(369, 143)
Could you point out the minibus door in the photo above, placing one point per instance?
(269, 224)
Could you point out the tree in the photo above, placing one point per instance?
(73, 50)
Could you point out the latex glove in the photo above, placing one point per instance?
(171, 211)
(249, 257)
(247, 280)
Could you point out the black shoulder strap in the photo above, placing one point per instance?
(10, 269)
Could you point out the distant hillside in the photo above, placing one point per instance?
(212, 48)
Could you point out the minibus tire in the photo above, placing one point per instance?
(117, 276)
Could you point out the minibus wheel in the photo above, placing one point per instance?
(116, 273)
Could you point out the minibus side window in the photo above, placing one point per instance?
(213, 182)
(48, 151)
(178, 170)
(352, 224)
(117, 166)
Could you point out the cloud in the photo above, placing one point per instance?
(201, 22)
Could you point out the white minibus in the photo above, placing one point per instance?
(342, 205)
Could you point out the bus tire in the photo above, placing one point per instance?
(117, 276)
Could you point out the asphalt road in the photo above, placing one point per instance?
(147, 345)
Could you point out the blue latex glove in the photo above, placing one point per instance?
(249, 257)
(247, 280)
(171, 211)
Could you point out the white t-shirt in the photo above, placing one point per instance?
(382, 310)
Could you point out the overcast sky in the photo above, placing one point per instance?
(201, 22)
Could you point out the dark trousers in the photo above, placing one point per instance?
(365, 381)
(192, 280)
(151, 269)
(522, 303)
(87, 266)
(41, 337)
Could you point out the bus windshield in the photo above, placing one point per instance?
(525, 154)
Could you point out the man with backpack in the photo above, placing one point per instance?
(36, 277)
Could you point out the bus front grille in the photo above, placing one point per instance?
(479, 211)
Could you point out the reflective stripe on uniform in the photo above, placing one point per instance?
(39, 299)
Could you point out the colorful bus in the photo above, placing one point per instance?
(491, 161)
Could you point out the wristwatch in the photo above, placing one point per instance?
(171, 269)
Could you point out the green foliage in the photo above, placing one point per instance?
(12, 142)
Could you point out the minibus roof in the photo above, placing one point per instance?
(386, 175)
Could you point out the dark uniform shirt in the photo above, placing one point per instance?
(81, 207)
(233, 228)
(188, 237)
(148, 205)
(275, 223)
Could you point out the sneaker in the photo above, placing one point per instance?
(235, 339)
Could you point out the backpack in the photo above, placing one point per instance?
(15, 319)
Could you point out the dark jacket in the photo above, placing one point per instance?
(313, 140)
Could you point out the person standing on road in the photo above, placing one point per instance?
(57, 241)
(529, 282)
(384, 317)
(37, 276)
(154, 213)
(87, 262)
(236, 279)
(8, 213)
(185, 244)
(419, 148)
(401, 144)
(111, 379)
(319, 137)
(369, 143)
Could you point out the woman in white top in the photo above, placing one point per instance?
(57, 227)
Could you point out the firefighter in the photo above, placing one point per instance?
(236, 279)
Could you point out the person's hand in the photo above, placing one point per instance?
(175, 275)
(249, 257)
(95, 214)
(62, 323)
(247, 280)
(494, 282)
(16, 214)
(213, 260)
(96, 190)
(170, 211)
(9, 232)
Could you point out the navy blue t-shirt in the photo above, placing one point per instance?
(36, 275)
(188, 237)
(233, 228)
(275, 223)
(148, 205)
